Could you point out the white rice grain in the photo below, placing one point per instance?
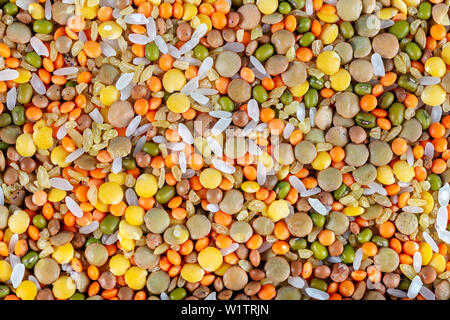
(37, 84)
(414, 287)
(220, 126)
(296, 282)
(61, 184)
(315, 293)
(386, 23)
(212, 207)
(8, 74)
(62, 132)
(89, 228)
(73, 207)
(258, 65)
(151, 28)
(96, 116)
(444, 235)
(142, 129)
(220, 114)
(190, 86)
(417, 261)
(215, 147)
(429, 150)
(377, 64)
(200, 31)
(38, 46)
(13, 260)
(48, 10)
(253, 148)
(2, 197)
(234, 46)
(176, 146)
(206, 91)
(301, 112)
(131, 197)
(232, 248)
(161, 44)
(436, 114)
(428, 239)
(159, 139)
(442, 218)
(116, 165)
(318, 206)
(429, 81)
(309, 7)
(189, 45)
(11, 98)
(412, 209)
(23, 4)
(205, 67)
(124, 80)
(112, 239)
(261, 173)
(135, 18)
(107, 50)
(132, 126)
(312, 115)
(163, 296)
(173, 51)
(396, 293)
(182, 162)
(65, 71)
(358, 259)
(410, 156)
(378, 188)
(12, 242)
(249, 127)
(444, 195)
(288, 129)
(185, 134)
(126, 92)
(253, 109)
(211, 296)
(139, 144)
(427, 293)
(311, 192)
(201, 99)
(223, 166)
(139, 38)
(35, 281)
(297, 184)
(17, 275)
(74, 155)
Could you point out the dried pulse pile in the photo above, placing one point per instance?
(224, 149)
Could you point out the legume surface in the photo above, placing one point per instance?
(216, 149)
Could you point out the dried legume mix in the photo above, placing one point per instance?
(216, 149)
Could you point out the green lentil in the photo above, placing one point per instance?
(42, 26)
(39, 221)
(365, 120)
(264, 52)
(109, 224)
(30, 259)
(200, 52)
(18, 115)
(165, 194)
(282, 189)
(152, 52)
(311, 98)
(397, 113)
